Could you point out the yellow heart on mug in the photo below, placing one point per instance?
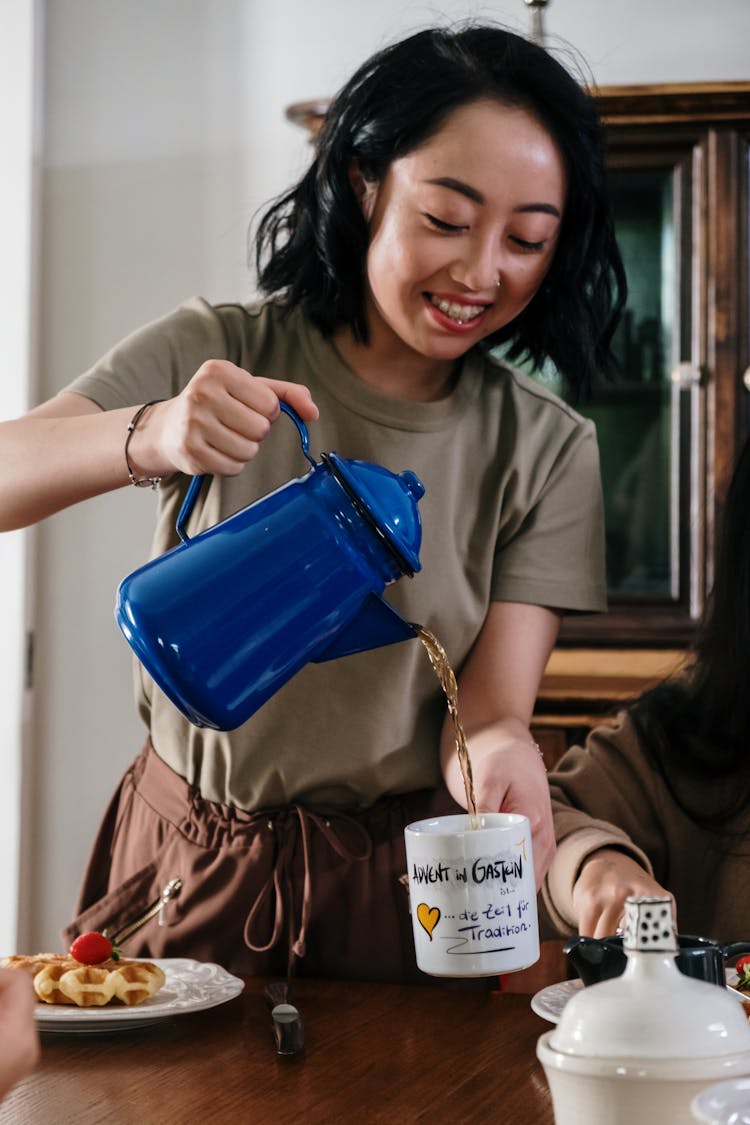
(428, 916)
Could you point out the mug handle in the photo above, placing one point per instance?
(195, 484)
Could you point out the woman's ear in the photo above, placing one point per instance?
(365, 190)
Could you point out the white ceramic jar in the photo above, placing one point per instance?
(726, 1103)
(635, 1050)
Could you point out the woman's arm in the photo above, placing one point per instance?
(605, 880)
(497, 690)
(609, 816)
(67, 449)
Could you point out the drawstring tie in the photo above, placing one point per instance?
(279, 881)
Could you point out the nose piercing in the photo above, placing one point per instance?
(497, 283)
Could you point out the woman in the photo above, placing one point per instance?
(456, 201)
(661, 800)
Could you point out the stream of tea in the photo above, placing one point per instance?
(444, 672)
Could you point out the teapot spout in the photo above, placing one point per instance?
(375, 625)
(596, 959)
(584, 951)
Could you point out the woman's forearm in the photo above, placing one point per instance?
(50, 463)
(68, 450)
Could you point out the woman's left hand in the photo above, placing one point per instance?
(497, 690)
(509, 776)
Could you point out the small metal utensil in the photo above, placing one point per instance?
(288, 1029)
(169, 891)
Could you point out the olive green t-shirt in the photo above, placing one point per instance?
(512, 511)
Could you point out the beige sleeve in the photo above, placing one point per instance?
(157, 360)
(557, 557)
(605, 794)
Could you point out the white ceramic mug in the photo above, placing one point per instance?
(472, 894)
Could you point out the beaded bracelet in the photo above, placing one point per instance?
(539, 751)
(139, 482)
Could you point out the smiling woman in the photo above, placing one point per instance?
(454, 260)
(367, 133)
(381, 309)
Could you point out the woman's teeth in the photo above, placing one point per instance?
(460, 313)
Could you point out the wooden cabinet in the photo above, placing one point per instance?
(670, 424)
(670, 427)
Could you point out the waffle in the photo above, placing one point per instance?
(135, 981)
(60, 979)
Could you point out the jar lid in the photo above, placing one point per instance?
(652, 1010)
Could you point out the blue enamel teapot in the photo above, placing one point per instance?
(224, 619)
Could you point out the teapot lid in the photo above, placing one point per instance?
(388, 500)
(653, 1010)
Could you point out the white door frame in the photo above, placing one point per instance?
(20, 136)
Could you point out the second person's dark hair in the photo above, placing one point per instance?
(696, 728)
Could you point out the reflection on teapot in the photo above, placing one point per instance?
(597, 959)
(224, 619)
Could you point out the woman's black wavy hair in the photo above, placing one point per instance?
(696, 727)
(312, 241)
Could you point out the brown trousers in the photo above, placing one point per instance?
(317, 888)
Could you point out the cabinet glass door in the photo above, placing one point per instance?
(649, 416)
(633, 414)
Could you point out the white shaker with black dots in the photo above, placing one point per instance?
(649, 925)
(635, 1050)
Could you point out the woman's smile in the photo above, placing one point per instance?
(457, 311)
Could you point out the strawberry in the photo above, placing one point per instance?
(743, 973)
(93, 948)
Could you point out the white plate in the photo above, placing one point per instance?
(549, 1003)
(726, 1103)
(190, 986)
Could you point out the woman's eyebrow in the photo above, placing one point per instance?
(546, 208)
(477, 197)
(459, 186)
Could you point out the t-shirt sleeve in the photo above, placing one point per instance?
(157, 360)
(556, 556)
(604, 795)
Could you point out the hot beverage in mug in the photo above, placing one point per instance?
(471, 875)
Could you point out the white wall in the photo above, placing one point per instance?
(18, 136)
(164, 132)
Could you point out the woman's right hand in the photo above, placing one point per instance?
(216, 424)
(605, 880)
(68, 449)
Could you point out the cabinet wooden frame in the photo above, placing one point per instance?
(701, 132)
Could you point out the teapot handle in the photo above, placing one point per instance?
(195, 484)
(732, 950)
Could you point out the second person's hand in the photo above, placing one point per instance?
(19, 1040)
(606, 879)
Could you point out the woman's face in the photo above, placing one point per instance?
(462, 230)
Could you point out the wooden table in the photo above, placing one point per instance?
(374, 1053)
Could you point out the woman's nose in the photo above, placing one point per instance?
(478, 267)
